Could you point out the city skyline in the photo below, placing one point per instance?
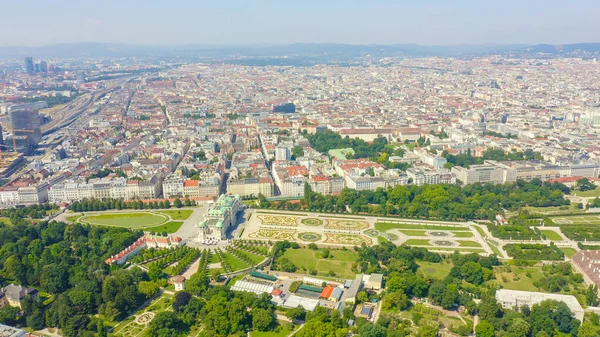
(265, 22)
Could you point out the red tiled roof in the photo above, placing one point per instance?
(326, 292)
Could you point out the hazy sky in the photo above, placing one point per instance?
(41, 22)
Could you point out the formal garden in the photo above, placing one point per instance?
(272, 234)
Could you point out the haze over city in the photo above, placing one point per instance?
(334, 21)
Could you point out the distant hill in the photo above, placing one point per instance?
(331, 50)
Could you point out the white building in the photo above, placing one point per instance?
(282, 153)
(509, 299)
(489, 172)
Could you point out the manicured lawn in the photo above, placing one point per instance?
(263, 249)
(516, 278)
(469, 244)
(551, 235)
(414, 233)
(434, 270)
(417, 242)
(234, 262)
(256, 259)
(381, 239)
(463, 234)
(285, 328)
(213, 258)
(569, 252)
(127, 220)
(180, 214)
(460, 249)
(385, 226)
(73, 218)
(496, 250)
(340, 261)
(587, 194)
(5, 220)
(170, 227)
(480, 231)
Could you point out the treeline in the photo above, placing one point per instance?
(467, 159)
(105, 172)
(32, 211)
(443, 201)
(329, 140)
(92, 205)
(500, 135)
(67, 261)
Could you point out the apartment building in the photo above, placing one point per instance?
(420, 177)
(251, 187)
(489, 172)
(110, 187)
(289, 178)
(176, 185)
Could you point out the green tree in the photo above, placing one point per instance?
(177, 203)
(372, 330)
(165, 324)
(197, 284)
(8, 315)
(428, 331)
(584, 184)
(297, 152)
(591, 295)
(148, 288)
(587, 329)
(297, 313)
(262, 319)
(519, 328)
(484, 329)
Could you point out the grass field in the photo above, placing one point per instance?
(180, 214)
(381, 239)
(551, 235)
(417, 242)
(454, 249)
(494, 246)
(127, 220)
(414, 233)
(569, 252)
(515, 278)
(213, 258)
(468, 244)
(463, 234)
(5, 220)
(434, 270)
(255, 258)
(170, 227)
(285, 328)
(571, 209)
(234, 262)
(480, 231)
(385, 226)
(340, 261)
(587, 194)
